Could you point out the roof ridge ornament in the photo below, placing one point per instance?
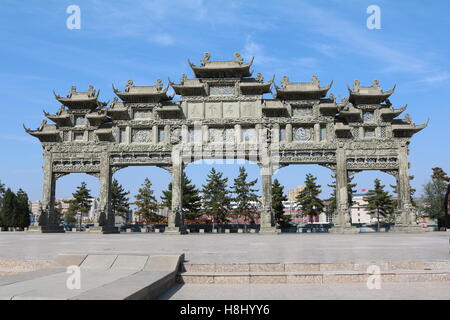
(284, 81)
(259, 77)
(238, 58)
(205, 58)
(129, 85)
(315, 81)
(159, 84)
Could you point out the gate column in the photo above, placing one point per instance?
(342, 219)
(49, 220)
(266, 220)
(106, 216)
(175, 219)
(406, 216)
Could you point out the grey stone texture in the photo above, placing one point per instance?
(106, 276)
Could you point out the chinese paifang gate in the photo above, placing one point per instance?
(221, 113)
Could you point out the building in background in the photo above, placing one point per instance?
(359, 210)
(293, 193)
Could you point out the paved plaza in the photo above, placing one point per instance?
(347, 291)
(235, 248)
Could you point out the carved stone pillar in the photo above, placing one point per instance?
(267, 220)
(106, 215)
(175, 219)
(49, 219)
(288, 133)
(342, 223)
(406, 217)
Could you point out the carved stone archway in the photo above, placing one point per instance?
(222, 111)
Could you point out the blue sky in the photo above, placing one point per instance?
(145, 40)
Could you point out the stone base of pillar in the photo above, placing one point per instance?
(348, 229)
(34, 229)
(95, 229)
(268, 230)
(52, 229)
(407, 229)
(110, 230)
(175, 230)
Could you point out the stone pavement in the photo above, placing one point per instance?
(98, 277)
(235, 248)
(350, 291)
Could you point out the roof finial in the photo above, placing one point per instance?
(130, 84)
(238, 58)
(315, 81)
(159, 84)
(376, 84)
(356, 85)
(285, 81)
(206, 58)
(259, 77)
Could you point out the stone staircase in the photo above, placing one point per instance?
(313, 273)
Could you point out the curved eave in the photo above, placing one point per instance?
(219, 72)
(328, 107)
(79, 103)
(97, 117)
(256, 87)
(358, 98)
(301, 94)
(409, 128)
(185, 90)
(392, 113)
(140, 97)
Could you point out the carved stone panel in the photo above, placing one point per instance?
(231, 109)
(221, 90)
(195, 110)
(143, 114)
(213, 110)
(302, 134)
(249, 109)
(141, 135)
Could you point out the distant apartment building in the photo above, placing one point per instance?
(293, 193)
(62, 206)
(359, 210)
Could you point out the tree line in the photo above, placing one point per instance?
(218, 200)
(14, 209)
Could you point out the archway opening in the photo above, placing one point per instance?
(292, 178)
(152, 181)
(65, 188)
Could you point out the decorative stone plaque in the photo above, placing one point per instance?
(221, 90)
(302, 134)
(141, 135)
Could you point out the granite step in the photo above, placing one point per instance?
(295, 273)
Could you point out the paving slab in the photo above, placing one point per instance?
(235, 247)
(310, 291)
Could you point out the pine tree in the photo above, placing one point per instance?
(70, 214)
(2, 194)
(8, 209)
(380, 204)
(191, 198)
(278, 197)
(147, 206)
(245, 196)
(331, 208)
(434, 196)
(308, 199)
(81, 200)
(215, 196)
(23, 210)
(120, 205)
